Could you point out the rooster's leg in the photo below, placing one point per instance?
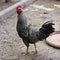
(27, 45)
(35, 49)
(25, 53)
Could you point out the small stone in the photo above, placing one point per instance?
(51, 59)
(45, 13)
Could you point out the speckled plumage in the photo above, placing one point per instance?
(29, 34)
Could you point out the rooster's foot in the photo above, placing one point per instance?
(25, 53)
(35, 52)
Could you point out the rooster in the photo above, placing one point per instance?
(28, 34)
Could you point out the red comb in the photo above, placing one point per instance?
(18, 7)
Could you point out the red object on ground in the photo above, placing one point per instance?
(54, 39)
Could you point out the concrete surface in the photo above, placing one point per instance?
(4, 5)
(11, 1)
(11, 44)
(9, 11)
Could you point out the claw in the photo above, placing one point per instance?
(25, 53)
(35, 52)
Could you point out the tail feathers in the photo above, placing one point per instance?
(48, 23)
(46, 29)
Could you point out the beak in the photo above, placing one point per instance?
(20, 8)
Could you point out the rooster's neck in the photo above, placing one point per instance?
(22, 19)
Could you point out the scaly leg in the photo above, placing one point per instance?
(25, 53)
(35, 49)
(27, 45)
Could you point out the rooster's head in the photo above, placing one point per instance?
(19, 9)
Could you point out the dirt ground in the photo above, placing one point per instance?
(11, 44)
